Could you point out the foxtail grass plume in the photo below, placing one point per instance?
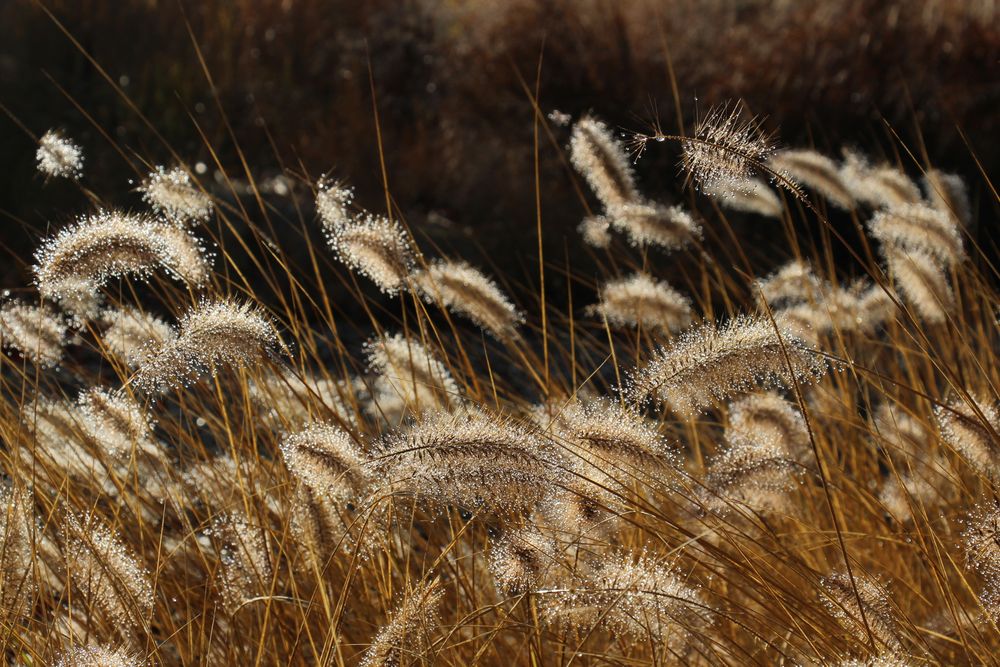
(466, 291)
(602, 160)
(713, 363)
(596, 231)
(213, 334)
(99, 656)
(641, 300)
(816, 172)
(841, 593)
(107, 573)
(836, 309)
(17, 580)
(245, 557)
(409, 377)
(610, 445)
(921, 280)
(376, 247)
(59, 156)
(133, 335)
(296, 399)
(115, 422)
(637, 597)
(904, 436)
(37, 332)
(111, 244)
(171, 194)
(900, 495)
(880, 186)
(645, 223)
(948, 193)
(755, 197)
(327, 459)
(769, 416)
(407, 635)
(981, 540)
(54, 424)
(473, 460)
(726, 150)
(520, 559)
(333, 203)
(793, 283)
(919, 227)
(971, 430)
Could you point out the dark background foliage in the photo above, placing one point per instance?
(290, 83)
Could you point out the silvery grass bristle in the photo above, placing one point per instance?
(755, 197)
(58, 156)
(409, 377)
(109, 244)
(970, 427)
(327, 459)
(919, 227)
(603, 162)
(95, 655)
(715, 362)
(466, 291)
(877, 186)
(921, 281)
(641, 300)
(409, 631)
(650, 224)
(841, 594)
(37, 332)
(171, 193)
(726, 151)
(476, 460)
(133, 335)
(213, 334)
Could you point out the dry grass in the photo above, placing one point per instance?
(211, 467)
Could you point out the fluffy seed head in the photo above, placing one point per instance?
(726, 150)
(17, 581)
(877, 186)
(133, 335)
(466, 291)
(921, 280)
(58, 156)
(795, 282)
(841, 598)
(519, 560)
(919, 227)
(646, 223)
(595, 230)
(642, 300)
(948, 193)
(755, 197)
(712, 363)
(970, 429)
(106, 572)
(298, 399)
(472, 460)
(815, 171)
(601, 159)
(245, 557)
(212, 334)
(982, 550)
(327, 459)
(409, 374)
(408, 633)
(375, 247)
(171, 193)
(115, 422)
(639, 598)
(98, 656)
(36, 332)
(333, 203)
(769, 416)
(111, 244)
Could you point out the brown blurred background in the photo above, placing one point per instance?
(292, 77)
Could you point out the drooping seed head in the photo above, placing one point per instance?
(327, 459)
(171, 193)
(921, 280)
(647, 224)
(473, 460)
(211, 335)
(466, 291)
(115, 422)
(245, 556)
(407, 635)
(58, 156)
(726, 150)
(755, 197)
(971, 430)
(37, 332)
(377, 248)
(295, 399)
(879, 186)
(520, 559)
(99, 656)
(602, 160)
(981, 541)
(919, 227)
(641, 300)
(133, 335)
(409, 374)
(948, 193)
(17, 580)
(712, 363)
(841, 596)
(333, 203)
(595, 230)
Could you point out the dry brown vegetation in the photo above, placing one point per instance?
(263, 421)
